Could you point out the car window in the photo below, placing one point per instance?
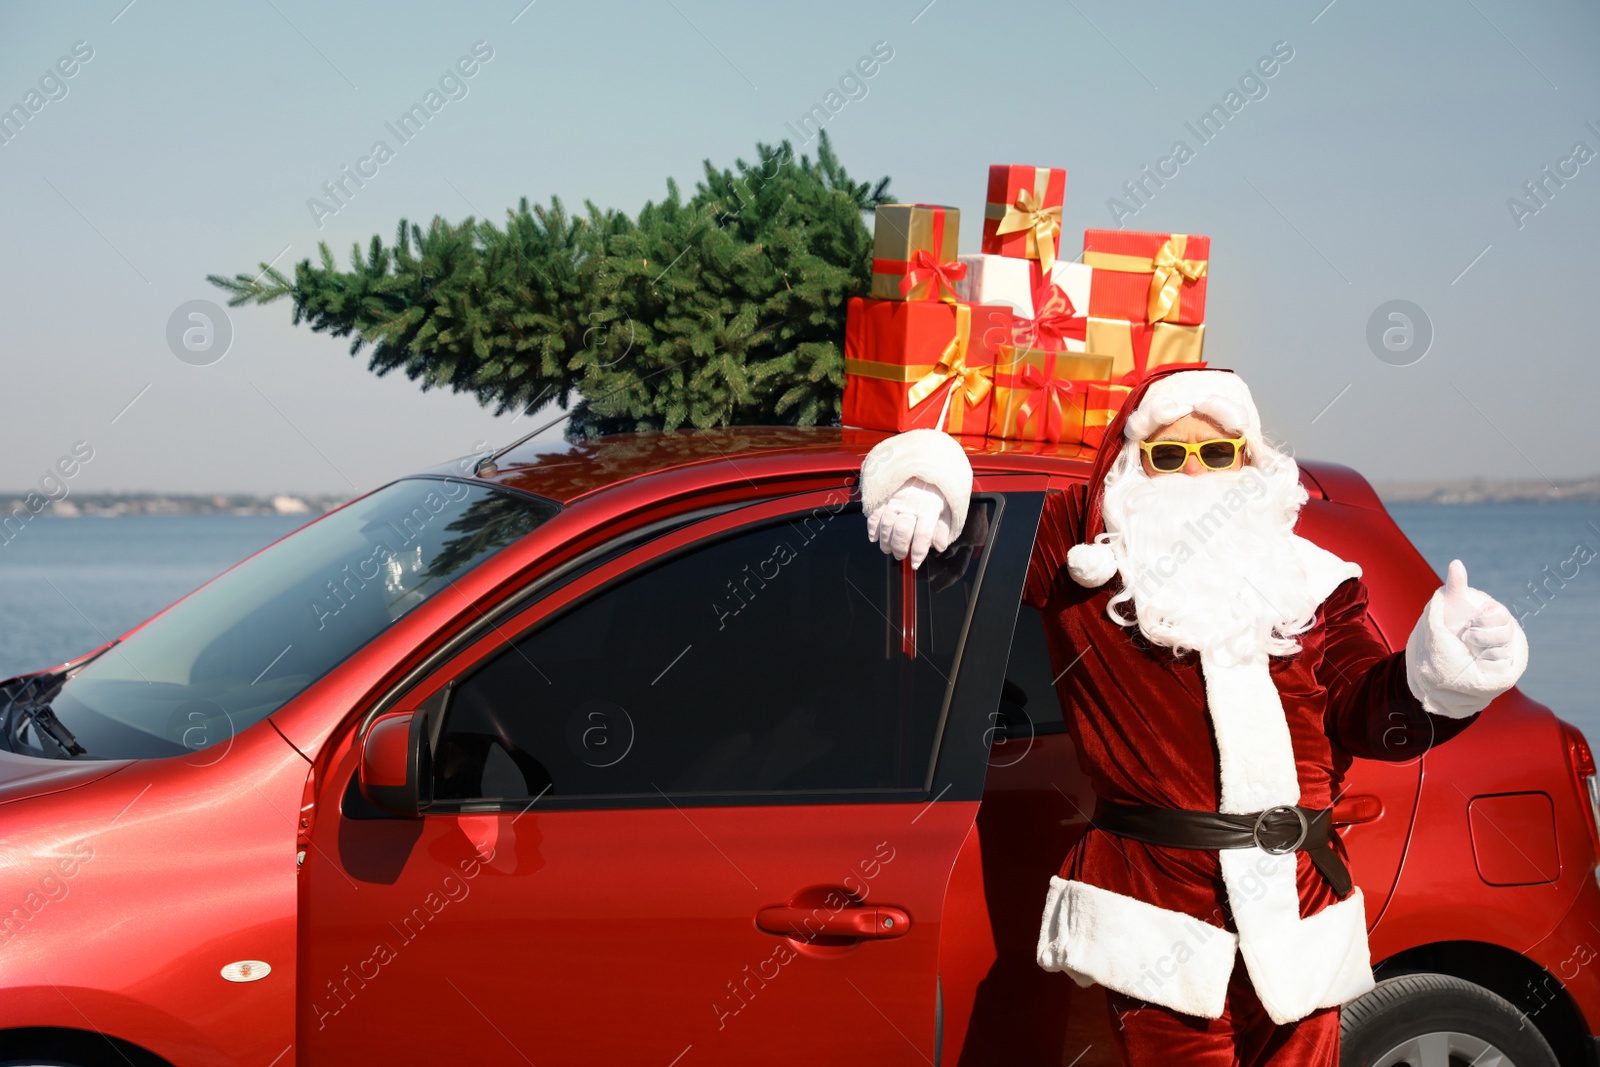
(1028, 702)
(242, 646)
(766, 662)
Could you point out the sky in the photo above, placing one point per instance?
(1383, 160)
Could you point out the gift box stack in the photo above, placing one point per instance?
(1017, 342)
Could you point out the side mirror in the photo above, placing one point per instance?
(394, 764)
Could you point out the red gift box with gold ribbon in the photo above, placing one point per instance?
(1022, 216)
(1102, 401)
(912, 364)
(914, 252)
(1040, 395)
(1148, 277)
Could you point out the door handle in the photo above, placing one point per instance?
(1357, 809)
(861, 923)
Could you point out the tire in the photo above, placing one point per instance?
(1433, 1020)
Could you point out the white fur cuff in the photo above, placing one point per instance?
(932, 455)
(1443, 674)
(1296, 965)
(1157, 955)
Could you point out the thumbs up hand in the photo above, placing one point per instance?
(1482, 623)
(1465, 650)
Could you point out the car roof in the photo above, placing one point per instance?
(563, 471)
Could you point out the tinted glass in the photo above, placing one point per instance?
(1028, 702)
(1168, 457)
(768, 662)
(236, 650)
(1217, 453)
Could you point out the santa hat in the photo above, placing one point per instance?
(1163, 397)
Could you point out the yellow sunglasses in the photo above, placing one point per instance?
(1216, 454)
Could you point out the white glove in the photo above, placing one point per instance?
(1482, 624)
(915, 518)
(1465, 650)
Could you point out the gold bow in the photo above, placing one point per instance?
(1170, 271)
(1044, 224)
(974, 382)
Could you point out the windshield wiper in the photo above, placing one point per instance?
(30, 702)
(45, 722)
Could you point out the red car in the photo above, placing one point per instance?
(639, 752)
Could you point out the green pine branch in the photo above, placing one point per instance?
(725, 308)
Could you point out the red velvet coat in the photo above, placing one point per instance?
(1210, 733)
(1139, 717)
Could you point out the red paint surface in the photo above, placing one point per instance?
(626, 936)
(1514, 839)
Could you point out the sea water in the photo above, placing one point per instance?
(69, 585)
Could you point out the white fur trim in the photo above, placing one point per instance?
(932, 455)
(1218, 394)
(1325, 570)
(1255, 759)
(1091, 565)
(1296, 965)
(1155, 954)
(1442, 673)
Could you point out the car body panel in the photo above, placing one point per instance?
(24, 778)
(1570, 959)
(657, 904)
(193, 863)
(1439, 896)
(155, 878)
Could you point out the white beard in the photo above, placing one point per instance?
(1209, 560)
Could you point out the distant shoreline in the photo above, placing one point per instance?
(112, 505)
(115, 505)
(1486, 491)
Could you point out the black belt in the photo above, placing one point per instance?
(1285, 828)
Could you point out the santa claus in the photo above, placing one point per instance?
(1216, 672)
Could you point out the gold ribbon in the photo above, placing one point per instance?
(1168, 271)
(887, 372)
(1043, 225)
(1171, 270)
(1106, 394)
(973, 382)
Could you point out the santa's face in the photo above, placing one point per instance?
(1207, 557)
(1191, 429)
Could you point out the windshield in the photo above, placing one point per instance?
(237, 649)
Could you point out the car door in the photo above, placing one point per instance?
(698, 805)
(1036, 804)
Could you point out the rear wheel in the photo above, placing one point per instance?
(1434, 1020)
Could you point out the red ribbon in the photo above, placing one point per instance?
(1054, 321)
(1051, 392)
(924, 267)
